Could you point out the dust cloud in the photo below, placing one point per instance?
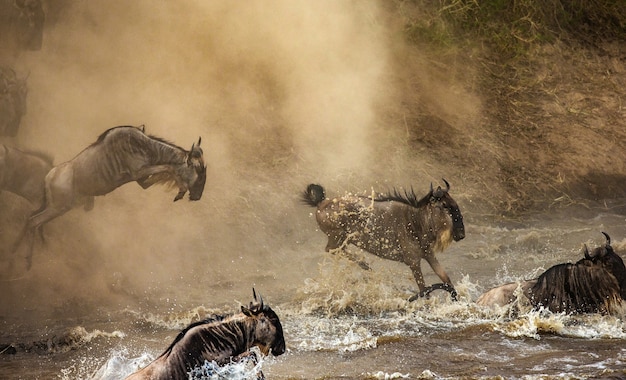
(283, 93)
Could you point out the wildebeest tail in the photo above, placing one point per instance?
(313, 195)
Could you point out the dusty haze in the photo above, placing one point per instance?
(283, 93)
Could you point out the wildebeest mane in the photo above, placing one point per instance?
(104, 134)
(407, 197)
(183, 332)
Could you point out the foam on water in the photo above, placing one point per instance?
(118, 366)
(534, 324)
(121, 364)
(345, 309)
(248, 369)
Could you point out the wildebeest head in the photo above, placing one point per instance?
(268, 332)
(611, 261)
(29, 23)
(195, 161)
(441, 201)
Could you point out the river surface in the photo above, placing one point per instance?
(343, 322)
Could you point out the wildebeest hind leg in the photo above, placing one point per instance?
(355, 259)
(337, 242)
(35, 226)
(28, 234)
(336, 239)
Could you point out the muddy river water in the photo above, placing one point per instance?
(344, 322)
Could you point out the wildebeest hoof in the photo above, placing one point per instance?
(426, 292)
(179, 196)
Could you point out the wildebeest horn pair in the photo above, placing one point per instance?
(439, 192)
(586, 250)
(258, 301)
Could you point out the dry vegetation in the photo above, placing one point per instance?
(551, 78)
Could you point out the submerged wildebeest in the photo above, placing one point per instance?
(220, 339)
(594, 284)
(120, 155)
(393, 226)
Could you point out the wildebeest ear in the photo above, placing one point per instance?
(246, 311)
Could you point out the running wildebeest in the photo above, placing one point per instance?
(22, 173)
(393, 226)
(221, 339)
(594, 284)
(120, 155)
(12, 101)
(21, 25)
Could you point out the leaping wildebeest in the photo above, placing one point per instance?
(219, 339)
(395, 226)
(594, 284)
(120, 155)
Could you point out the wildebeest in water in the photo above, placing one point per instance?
(393, 226)
(120, 155)
(594, 284)
(220, 339)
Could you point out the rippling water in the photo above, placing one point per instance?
(344, 322)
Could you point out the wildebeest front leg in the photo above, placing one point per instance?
(249, 356)
(438, 269)
(144, 178)
(416, 268)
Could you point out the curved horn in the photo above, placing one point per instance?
(447, 184)
(258, 299)
(199, 140)
(261, 302)
(431, 187)
(586, 252)
(608, 238)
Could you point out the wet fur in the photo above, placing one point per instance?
(594, 284)
(396, 226)
(222, 339)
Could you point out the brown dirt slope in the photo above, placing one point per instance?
(548, 126)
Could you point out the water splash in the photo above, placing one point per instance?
(118, 366)
(247, 369)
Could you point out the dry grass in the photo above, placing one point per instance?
(550, 76)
